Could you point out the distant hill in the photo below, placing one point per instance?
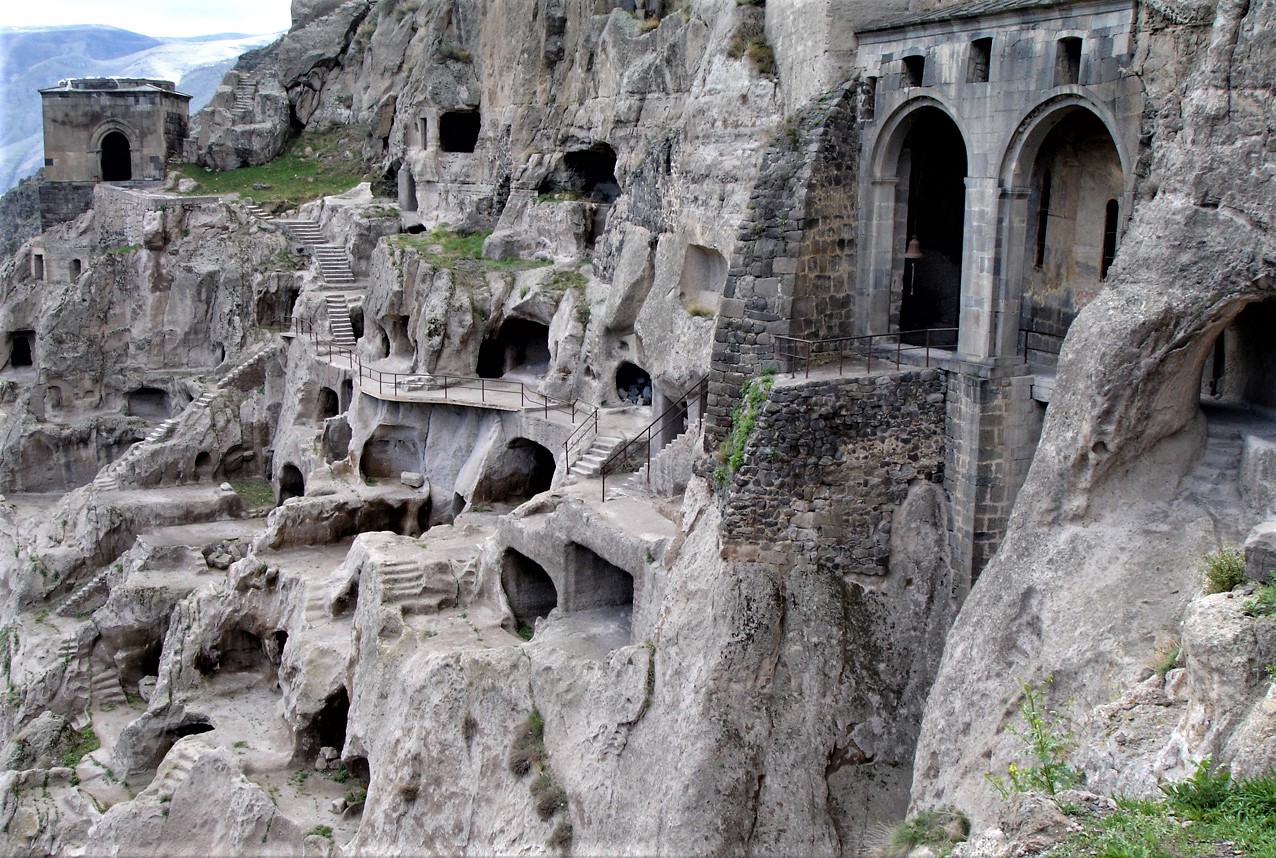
(36, 57)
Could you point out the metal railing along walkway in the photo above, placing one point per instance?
(799, 354)
(640, 444)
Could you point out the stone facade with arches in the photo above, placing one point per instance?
(975, 175)
(106, 130)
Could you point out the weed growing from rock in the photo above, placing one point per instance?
(1166, 658)
(1046, 743)
(86, 743)
(744, 420)
(1224, 569)
(528, 749)
(1201, 794)
(937, 828)
(1264, 602)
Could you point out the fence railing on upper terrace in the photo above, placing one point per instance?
(505, 394)
(799, 355)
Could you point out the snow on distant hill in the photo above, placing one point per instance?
(35, 57)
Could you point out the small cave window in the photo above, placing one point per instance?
(347, 393)
(21, 349)
(37, 266)
(1067, 63)
(459, 130)
(149, 403)
(528, 588)
(76, 269)
(980, 61)
(1111, 213)
(238, 650)
(291, 483)
(423, 129)
(117, 161)
(633, 384)
(356, 322)
(329, 403)
(1043, 219)
(703, 279)
(914, 70)
(391, 450)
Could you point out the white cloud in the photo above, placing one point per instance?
(154, 17)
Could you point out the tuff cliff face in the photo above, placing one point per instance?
(1131, 484)
(326, 565)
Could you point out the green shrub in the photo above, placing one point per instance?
(744, 420)
(548, 796)
(322, 831)
(1046, 743)
(86, 742)
(1224, 569)
(1198, 797)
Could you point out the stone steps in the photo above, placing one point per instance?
(104, 689)
(78, 602)
(331, 259)
(176, 767)
(316, 605)
(339, 320)
(108, 479)
(599, 452)
(245, 94)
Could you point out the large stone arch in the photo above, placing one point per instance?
(104, 130)
(1016, 194)
(882, 264)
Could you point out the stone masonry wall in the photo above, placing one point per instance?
(828, 465)
(792, 270)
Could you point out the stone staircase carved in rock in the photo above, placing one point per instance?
(176, 767)
(245, 94)
(110, 478)
(331, 259)
(589, 464)
(339, 320)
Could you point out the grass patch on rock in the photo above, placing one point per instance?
(255, 492)
(314, 165)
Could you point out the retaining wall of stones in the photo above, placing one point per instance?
(828, 465)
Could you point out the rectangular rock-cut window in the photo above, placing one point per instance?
(459, 130)
(980, 61)
(1067, 63)
(914, 71)
(425, 132)
(77, 268)
(37, 266)
(1109, 238)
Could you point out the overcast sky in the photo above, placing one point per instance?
(153, 17)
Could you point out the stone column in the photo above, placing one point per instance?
(978, 261)
(993, 426)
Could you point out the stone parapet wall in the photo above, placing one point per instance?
(828, 465)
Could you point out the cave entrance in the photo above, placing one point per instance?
(203, 465)
(932, 182)
(1242, 363)
(237, 651)
(329, 403)
(117, 159)
(633, 384)
(21, 349)
(291, 483)
(588, 174)
(528, 588)
(330, 721)
(459, 130)
(149, 403)
(536, 463)
(1073, 217)
(520, 345)
(595, 582)
(390, 451)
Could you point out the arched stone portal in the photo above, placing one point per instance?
(117, 158)
(1070, 208)
(931, 207)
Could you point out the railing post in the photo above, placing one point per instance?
(899, 345)
(928, 348)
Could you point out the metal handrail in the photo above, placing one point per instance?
(803, 350)
(626, 454)
(379, 380)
